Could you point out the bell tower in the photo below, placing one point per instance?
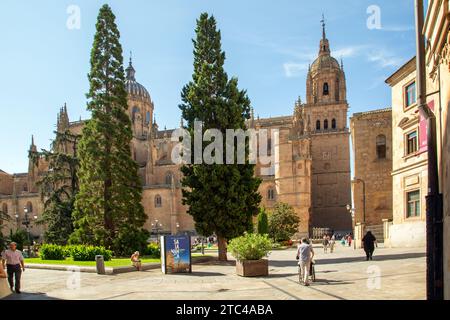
(325, 115)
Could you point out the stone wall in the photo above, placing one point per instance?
(373, 165)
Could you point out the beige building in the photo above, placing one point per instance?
(372, 184)
(436, 31)
(311, 171)
(409, 171)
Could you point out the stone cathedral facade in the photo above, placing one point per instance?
(312, 171)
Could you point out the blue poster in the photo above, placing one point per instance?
(176, 254)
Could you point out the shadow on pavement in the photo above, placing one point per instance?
(205, 274)
(29, 296)
(291, 263)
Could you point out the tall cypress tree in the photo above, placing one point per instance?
(108, 209)
(222, 198)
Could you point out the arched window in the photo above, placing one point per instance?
(318, 125)
(333, 124)
(158, 201)
(29, 207)
(136, 110)
(271, 194)
(5, 208)
(25, 187)
(325, 124)
(326, 89)
(381, 146)
(147, 117)
(169, 177)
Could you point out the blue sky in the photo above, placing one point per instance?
(268, 46)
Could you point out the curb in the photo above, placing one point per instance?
(109, 270)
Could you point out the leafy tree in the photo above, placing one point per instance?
(222, 199)
(59, 186)
(283, 222)
(263, 223)
(109, 201)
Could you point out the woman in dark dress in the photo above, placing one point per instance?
(369, 244)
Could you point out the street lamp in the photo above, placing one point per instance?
(156, 227)
(357, 180)
(26, 222)
(178, 227)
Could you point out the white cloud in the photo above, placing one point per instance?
(292, 69)
(398, 28)
(385, 59)
(348, 52)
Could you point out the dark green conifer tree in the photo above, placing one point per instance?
(108, 209)
(222, 199)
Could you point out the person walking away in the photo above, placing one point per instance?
(325, 244)
(369, 242)
(332, 243)
(136, 261)
(305, 254)
(350, 240)
(14, 261)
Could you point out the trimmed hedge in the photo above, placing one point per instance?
(88, 253)
(153, 250)
(52, 252)
(76, 252)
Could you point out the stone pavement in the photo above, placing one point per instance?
(394, 274)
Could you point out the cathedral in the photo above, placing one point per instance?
(312, 171)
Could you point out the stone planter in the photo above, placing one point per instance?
(252, 268)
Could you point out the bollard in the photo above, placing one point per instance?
(100, 264)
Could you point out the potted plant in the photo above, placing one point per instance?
(249, 251)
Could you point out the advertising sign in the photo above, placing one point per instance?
(176, 254)
(423, 142)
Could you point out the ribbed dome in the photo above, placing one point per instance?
(134, 88)
(324, 62)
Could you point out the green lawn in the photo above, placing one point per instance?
(116, 262)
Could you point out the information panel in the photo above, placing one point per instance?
(176, 254)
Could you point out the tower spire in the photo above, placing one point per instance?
(324, 44)
(324, 35)
(130, 70)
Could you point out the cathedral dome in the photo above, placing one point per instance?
(134, 88)
(324, 62)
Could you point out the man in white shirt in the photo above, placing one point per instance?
(13, 259)
(305, 254)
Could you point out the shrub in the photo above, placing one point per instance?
(283, 222)
(153, 250)
(129, 240)
(263, 224)
(20, 237)
(250, 247)
(88, 253)
(52, 252)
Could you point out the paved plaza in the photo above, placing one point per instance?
(343, 275)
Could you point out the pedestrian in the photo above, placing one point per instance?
(325, 243)
(4, 288)
(305, 255)
(332, 243)
(369, 242)
(350, 240)
(136, 261)
(14, 261)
